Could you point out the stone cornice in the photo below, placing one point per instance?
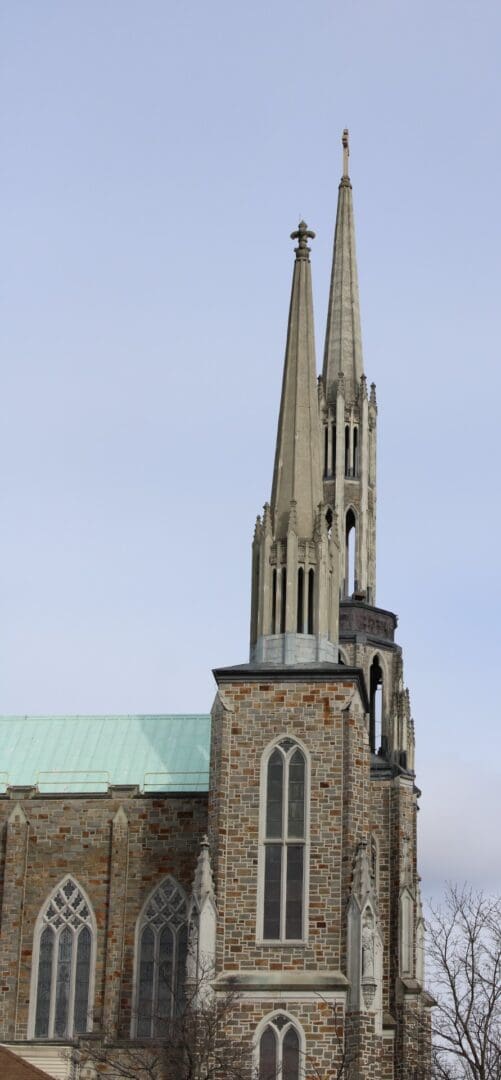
(332, 673)
(316, 981)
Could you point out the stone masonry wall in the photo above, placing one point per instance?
(117, 855)
(326, 718)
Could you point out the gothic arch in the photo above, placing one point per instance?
(160, 953)
(280, 1022)
(406, 932)
(351, 526)
(63, 963)
(329, 518)
(289, 842)
(377, 660)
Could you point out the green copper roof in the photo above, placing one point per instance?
(88, 753)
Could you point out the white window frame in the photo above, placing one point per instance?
(40, 925)
(292, 1022)
(143, 921)
(263, 842)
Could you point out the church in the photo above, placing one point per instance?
(272, 842)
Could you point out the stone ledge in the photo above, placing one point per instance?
(317, 981)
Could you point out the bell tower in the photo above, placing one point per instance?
(348, 418)
(348, 415)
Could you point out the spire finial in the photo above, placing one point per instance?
(302, 234)
(346, 153)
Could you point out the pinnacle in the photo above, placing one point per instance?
(343, 340)
(302, 234)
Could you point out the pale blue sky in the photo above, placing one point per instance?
(155, 157)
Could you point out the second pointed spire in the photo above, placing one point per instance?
(343, 339)
(297, 474)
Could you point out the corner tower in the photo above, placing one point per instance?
(348, 416)
(294, 612)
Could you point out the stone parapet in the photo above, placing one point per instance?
(358, 620)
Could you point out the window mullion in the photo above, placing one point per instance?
(156, 976)
(53, 983)
(285, 812)
(173, 978)
(73, 971)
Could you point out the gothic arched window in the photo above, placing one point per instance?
(63, 965)
(279, 1050)
(162, 945)
(350, 570)
(284, 837)
(376, 705)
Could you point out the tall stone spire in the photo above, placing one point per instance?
(297, 474)
(343, 339)
(348, 415)
(295, 585)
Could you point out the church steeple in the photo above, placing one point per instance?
(297, 473)
(348, 414)
(343, 339)
(294, 584)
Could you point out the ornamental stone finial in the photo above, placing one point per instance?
(346, 152)
(203, 885)
(302, 234)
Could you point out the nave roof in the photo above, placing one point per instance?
(60, 754)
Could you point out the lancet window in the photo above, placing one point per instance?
(329, 449)
(300, 600)
(280, 1053)
(162, 945)
(64, 950)
(376, 704)
(350, 553)
(283, 599)
(311, 600)
(355, 452)
(284, 839)
(305, 601)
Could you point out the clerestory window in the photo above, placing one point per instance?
(162, 945)
(279, 1050)
(63, 965)
(284, 841)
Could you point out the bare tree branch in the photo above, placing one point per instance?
(192, 1043)
(464, 954)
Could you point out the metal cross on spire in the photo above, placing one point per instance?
(346, 152)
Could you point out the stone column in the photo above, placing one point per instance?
(265, 576)
(16, 853)
(371, 538)
(339, 504)
(291, 598)
(364, 486)
(119, 858)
